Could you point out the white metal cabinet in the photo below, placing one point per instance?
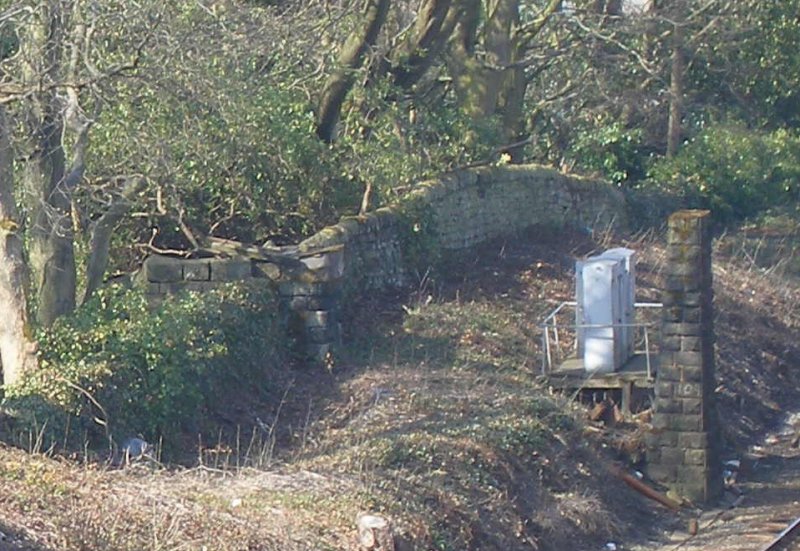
(605, 291)
(627, 296)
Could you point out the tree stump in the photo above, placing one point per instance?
(374, 533)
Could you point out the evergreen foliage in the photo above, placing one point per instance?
(734, 171)
(117, 368)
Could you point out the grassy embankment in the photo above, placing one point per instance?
(435, 418)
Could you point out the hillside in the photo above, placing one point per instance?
(434, 416)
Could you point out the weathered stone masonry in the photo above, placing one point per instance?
(466, 209)
(363, 254)
(683, 450)
(164, 275)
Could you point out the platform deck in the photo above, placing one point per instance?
(571, 374)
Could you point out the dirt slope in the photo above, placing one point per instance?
(434, 417)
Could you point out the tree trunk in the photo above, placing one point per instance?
(341, 81)
(17, 351)
(462, 65)
(433, 27)
(502, 17)
(676, 92)
(478, 83)
(515, 81)
(513, 108)
(100, 240)
(47, 191)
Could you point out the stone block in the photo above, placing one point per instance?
(673, 314)
(669, 371)
(693, 440)
(162, 269)
(667, 405)
(266, 270)
(688, 359)
(682, 329)
(685, 284)
(321, 302)
(652, 440)
(295, 288)
(668, 438)
(152, 289)
(665, 473)
(689, 390)
(671, 343)
(686, 423)
(693, 406)
(322, 335)
(697, 457)
(298, 303)
(326, 267)
(689, 344)
(692, 314)
(691, 373)
(696, 483)
(663, 421)
(319, 353)
(196, 269)
(684, 271)
(171, 288)
(230, 269)
(688, 227)
(686, 254)
(694, 298)
(664, 389)
(671, 455)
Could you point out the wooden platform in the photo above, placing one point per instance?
(571, 376)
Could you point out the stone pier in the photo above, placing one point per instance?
(684, 447)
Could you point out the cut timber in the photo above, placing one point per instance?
(374, 533)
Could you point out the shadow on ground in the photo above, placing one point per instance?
(12, 540)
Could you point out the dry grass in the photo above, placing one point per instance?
(59, 505)
(435, 418)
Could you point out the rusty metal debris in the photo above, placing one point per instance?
(644, 489)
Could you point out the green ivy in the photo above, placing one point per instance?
(117, 367)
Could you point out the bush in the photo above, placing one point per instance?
(732, 170)
(117, 368)
(609, 148)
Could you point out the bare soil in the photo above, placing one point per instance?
(435, 416)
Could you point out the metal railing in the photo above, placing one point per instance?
(560, 340)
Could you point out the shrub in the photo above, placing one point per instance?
(118, 368)
(609, 148)
(734, 171)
